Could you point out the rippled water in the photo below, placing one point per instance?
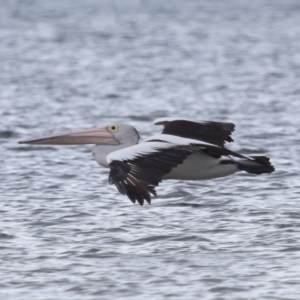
(64, 232)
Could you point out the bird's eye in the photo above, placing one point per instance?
(113, 128)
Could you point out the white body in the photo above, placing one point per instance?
(197, 166)
(201, 166)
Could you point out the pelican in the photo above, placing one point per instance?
(185, 150)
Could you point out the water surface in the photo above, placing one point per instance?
(65, 232)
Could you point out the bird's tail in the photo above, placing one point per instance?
(256, 165)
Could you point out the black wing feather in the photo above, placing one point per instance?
(215, 151)
(216, 133)
(137, 178)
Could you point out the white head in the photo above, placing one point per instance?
(125, 134)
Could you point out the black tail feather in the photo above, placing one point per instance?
(259, 165)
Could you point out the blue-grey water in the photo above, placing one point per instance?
(65, 233)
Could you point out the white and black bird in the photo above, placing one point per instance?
(186, 150)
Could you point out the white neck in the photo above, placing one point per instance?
(100, 152)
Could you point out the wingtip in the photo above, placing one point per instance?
(141, 202)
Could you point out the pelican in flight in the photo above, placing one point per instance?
(186, 150)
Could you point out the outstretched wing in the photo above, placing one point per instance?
(216, 133)
(138, 169)
(139, 172)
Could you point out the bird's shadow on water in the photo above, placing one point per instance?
(183, 204)
(187, 195)
(189, 202)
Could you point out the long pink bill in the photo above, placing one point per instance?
(96, 136)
